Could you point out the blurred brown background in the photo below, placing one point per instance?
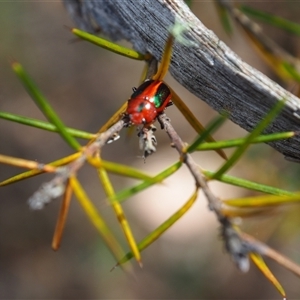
(86, 85)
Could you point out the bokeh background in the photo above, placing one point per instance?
(86, 85)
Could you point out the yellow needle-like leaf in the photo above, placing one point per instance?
(61, 162)
(260, 263)
(263, 201)
(96, 218)
(24, 163)
(62, 217)
(154, 235)
(115, 118)
(233, 212)
(165, 61)
(119, 169)
(193, 121)
(119, 213)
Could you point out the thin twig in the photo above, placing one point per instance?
(238, 244)
(56, 186)
(214, 202)
(265, 250)
(234, 244)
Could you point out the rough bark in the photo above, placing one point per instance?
(208, 69)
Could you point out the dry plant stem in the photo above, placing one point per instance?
(214, 202)
(210, 70)
(235, 245)
(265, 250)
(92, 149)
(103, 138)
(56, 186)
(98, 143)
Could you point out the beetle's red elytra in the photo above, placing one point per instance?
(148, 101)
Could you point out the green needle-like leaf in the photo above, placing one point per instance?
(292, 71)
(44, 125)
(188, 2)
(44, 105)
(212, 127)
(154, 235)
(238, 142)
(103, 43)
(248, 140)
(224, 18)
(279, 22)
(123, 195)
(248, 184)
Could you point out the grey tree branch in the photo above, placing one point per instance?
(210, 70)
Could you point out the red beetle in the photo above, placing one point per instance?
(148, 101)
